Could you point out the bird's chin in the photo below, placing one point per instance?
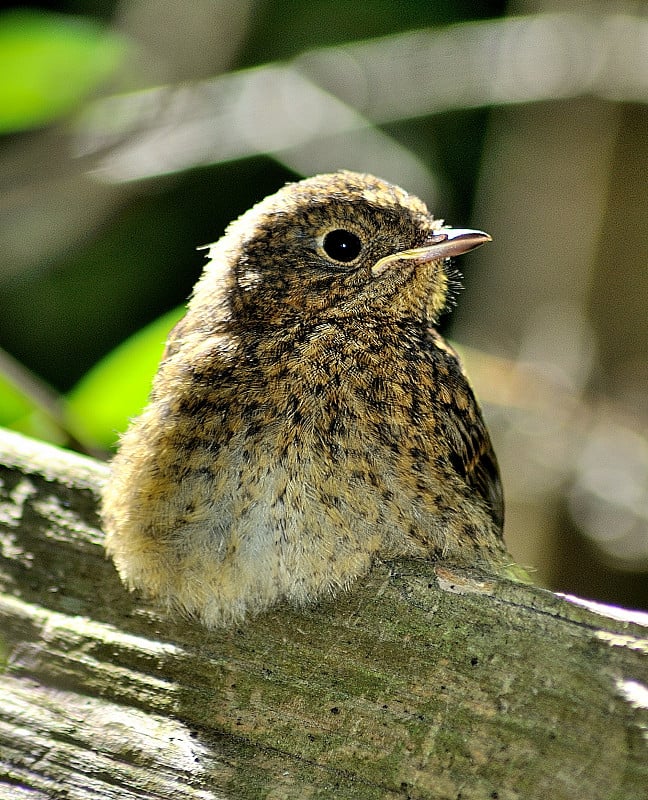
(411, 276)
(405, 288)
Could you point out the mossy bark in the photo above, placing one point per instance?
(419, 682)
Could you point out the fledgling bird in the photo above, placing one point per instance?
(307, 418)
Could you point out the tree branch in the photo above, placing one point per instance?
(419, 682)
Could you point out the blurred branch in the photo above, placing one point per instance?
(519, 59)
(291, 110)
(273, 109)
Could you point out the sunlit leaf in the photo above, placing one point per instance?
(13, 402)
(20, 412)
(49, 63)
(115, 390)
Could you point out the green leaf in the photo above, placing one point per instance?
(14, 403)
(49, 64)
(115, 390)
(20, 412)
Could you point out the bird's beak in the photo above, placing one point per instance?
(448, 242)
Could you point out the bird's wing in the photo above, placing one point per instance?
(471, 453)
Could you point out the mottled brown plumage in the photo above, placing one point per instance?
(306, 418)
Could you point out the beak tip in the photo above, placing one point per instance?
(462, 233)
(463, 240)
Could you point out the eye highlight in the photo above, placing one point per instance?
(342, 245)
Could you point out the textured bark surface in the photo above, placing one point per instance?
(418, 682)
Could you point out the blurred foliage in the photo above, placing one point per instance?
(115, 390)
(90, 270)
(50, 64)
(14, 404)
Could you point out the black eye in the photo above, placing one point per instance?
(341, 245)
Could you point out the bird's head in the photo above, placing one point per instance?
(335, 245)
